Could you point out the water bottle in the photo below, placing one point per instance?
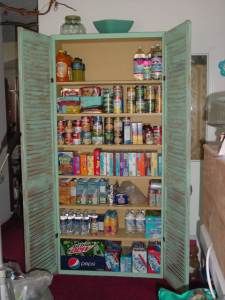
(77, 224)
(93, 224)
(140, 221)
(130, 221)
(63, 222)
(70, 222)
(6, 287)
(85, 224)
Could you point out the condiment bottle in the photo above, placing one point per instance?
(77, 69)
(61, 66)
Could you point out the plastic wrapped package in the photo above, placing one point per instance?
(134, 194)
(34, 286)
(30, 286)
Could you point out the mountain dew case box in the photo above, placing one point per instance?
(82, 255)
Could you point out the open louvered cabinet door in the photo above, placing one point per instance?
(177, 155)
(37, 150)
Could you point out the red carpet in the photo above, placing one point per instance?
(71, 287)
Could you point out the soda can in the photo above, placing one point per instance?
(86, 124)
(117, 105)
(158, 97)
(60, 126)
(76, 139)
(118, 131)
(77, 126)
(150, 105)
(86, 137)
(117, 91)
(157, 133)
(131, 108)
(139, 92)
(149, 92)
(108, 101)
(140, 106)
(130, 93)
(68, 138)
(117, 99)
(60, 139)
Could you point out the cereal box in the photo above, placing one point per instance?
(65, 163)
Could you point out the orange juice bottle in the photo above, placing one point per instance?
(61, 66)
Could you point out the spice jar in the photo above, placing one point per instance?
(72, 25)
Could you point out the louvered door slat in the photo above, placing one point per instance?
(177, 155)
(37, 149)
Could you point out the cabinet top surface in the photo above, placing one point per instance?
(99, 36)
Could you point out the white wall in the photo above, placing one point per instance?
(4, 186)
(208, 23)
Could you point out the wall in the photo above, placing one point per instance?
(208, 20)
(4, 186)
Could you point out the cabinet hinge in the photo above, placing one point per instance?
(164, 239)
(52, 80)
(164, 77)
(56, 235)
(191, 190)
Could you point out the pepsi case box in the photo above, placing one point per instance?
(82, 255)
(78, 262)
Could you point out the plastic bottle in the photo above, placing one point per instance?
(77, 69)
(70, 222)
(85, 224)
(77, 224)
(93, 223)
(147, 65)
(61, 66)
(6, 286)
(63, 223)
(156, 63)
(69, 63)
(138, 64)
(130, 221)
(140, 221)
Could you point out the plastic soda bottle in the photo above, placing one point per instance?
(138, 64)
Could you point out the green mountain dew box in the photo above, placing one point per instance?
(82, 255)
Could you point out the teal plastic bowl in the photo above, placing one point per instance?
(113, 26)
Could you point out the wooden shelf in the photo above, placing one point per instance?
(145, 118)
(109, 177)
(121, 235)
(110, 82)
(112, 115)
(104, 207)
(125, 147)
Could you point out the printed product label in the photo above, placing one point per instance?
(61, 69)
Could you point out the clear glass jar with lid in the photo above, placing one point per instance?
(72, 25)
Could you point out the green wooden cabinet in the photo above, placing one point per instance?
(109, 59)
